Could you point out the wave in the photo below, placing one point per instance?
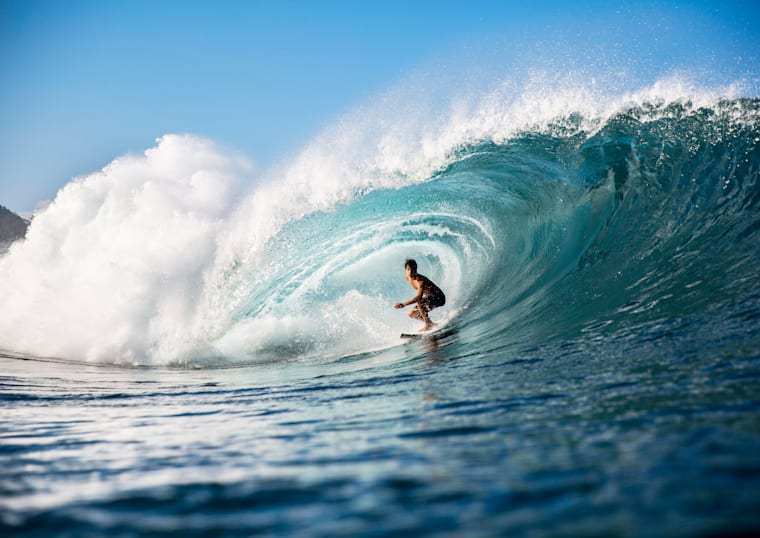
(543, 215)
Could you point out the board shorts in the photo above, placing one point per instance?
(434, 300)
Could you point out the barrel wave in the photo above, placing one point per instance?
(557, 234)
(577, 226)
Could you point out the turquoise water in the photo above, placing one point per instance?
(597, 372)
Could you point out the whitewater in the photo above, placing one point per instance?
(214, 347)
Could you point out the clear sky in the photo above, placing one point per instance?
(82, 82)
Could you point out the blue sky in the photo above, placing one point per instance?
(82, 82)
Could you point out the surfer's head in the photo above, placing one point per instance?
(411, 265)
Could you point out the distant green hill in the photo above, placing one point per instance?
(12, 227)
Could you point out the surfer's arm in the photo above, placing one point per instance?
(413, 300)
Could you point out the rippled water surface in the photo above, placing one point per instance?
(585, 437)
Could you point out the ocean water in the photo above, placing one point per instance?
(192, 348)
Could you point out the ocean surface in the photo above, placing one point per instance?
(189, 353)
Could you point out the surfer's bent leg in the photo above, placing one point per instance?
(423, 307)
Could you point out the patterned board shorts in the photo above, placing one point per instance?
(434, 300)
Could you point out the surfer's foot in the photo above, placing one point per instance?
(427, 327)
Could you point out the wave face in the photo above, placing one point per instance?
(566, 223)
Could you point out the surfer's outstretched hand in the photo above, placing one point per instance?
(398, 305)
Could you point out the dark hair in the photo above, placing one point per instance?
(411, 264)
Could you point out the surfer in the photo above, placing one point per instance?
(429, 296)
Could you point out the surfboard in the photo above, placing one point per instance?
(440, 331)
(443, 327)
